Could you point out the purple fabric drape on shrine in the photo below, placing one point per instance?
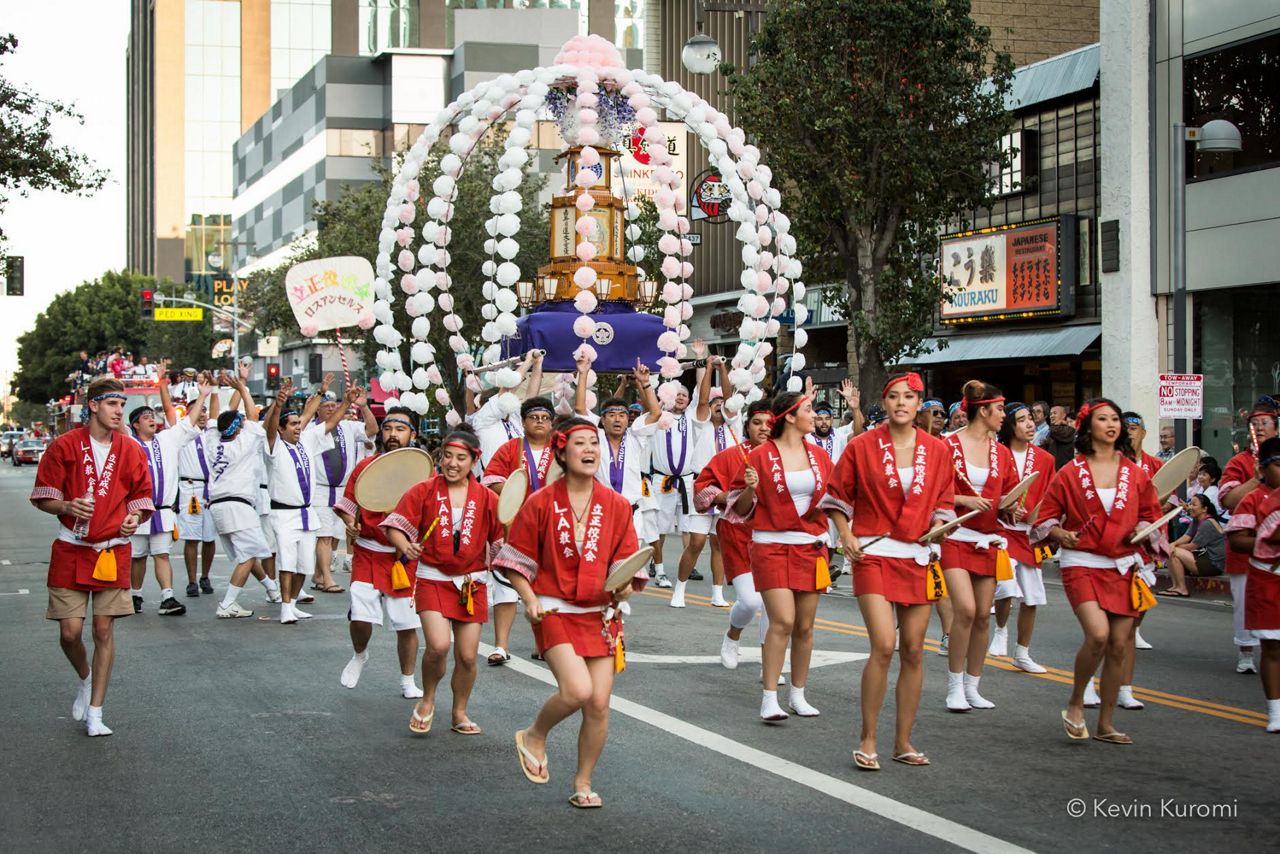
(550, 328)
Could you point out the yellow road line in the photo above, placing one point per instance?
(1063, 677)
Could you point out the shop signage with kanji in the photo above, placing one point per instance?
(1010, 272)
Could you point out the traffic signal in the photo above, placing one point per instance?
(273, 376)
(148, 304)
(13, 271)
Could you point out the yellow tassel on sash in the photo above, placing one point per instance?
(935, 584)
(823, 579)
(104, 569)
(644, 486)
(193, 507)
(399, 578)
(466, 596)
(175, 533)
(619, 654)
(1043, 553)
(1140, 594)
(1004, 566)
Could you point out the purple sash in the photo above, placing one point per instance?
(302, 468)
(617, 467)
(678, 470)
(204, 466)
(156, 461)
(335, 472)
(720, 442)
(531, 465)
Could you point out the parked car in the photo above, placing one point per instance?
(28, 451)
(7, 441)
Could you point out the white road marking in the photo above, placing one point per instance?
(842, 790)
(22, 591)
(6, 563)
(821, 658)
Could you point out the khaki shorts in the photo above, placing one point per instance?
(68, 604)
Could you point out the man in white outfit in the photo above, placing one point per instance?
(334, 468)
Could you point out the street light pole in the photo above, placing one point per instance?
(1178, 270)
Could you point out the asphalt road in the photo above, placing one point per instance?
(235, 735)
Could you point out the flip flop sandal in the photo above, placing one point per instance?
(586, 800)
(1077, 731)
(332, 588)
(498, 657)
(866, 761)
(419, 725)
(305, 599)
(911, 757)
(1113, 738)
(1174, 594)
(466, 728)
(523, 754)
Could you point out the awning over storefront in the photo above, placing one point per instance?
(1009, 344)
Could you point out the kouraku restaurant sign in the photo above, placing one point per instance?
(1010, 272)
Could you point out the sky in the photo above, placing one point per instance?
(78, 55)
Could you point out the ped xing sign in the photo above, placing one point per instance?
(179, 314)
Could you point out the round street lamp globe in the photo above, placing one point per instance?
(701, 54)
(1219, 135)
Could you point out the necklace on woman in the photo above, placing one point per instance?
(579, 522)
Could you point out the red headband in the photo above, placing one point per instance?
(788, 410)
(912, 380)
(1262, 413)
(462, 446)
(1085, 411)
(985, 400)
(562, 437)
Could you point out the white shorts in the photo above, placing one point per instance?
(327, 523)
(367, 602)
(296, 552)
(667, 518)
(698, 523)
(642, 520)
(1027, 584)
(198, 525)
(151, 545)
(245, 545)
(268, 526)
(499, 593)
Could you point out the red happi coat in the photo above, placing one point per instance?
(725, 473)
(1002, 477)
(479, 531)
(67, 471)
(1072, 501)
(1149, 464)
(369, 565)
(1239, 469)
(541, 545)
(773, 508)
(866, 478)
(511, 456)
(1040, 460)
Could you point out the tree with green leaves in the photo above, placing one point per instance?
(102, 315)
(29, 158)
(879, 125)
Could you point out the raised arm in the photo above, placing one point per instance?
(313, 402)
(340, 411)
(241, 383)
(580, 390)
(273, 422)
(214, 403)
(535, 374)
(640, 373)
(370, 423)
(193, 412)
(703, 412)
(166, 401)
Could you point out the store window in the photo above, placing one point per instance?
(389, 24)
(1240, 83)
(1239, 354)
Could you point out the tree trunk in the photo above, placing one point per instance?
(866, 365)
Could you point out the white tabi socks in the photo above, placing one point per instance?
(93, 724)
(351, 673)
(408, 688)
(677, 597)
(81, 705)
(956, 701)
(976, 700)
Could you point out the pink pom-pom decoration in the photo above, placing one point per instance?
(586, 178)
(589, 156)
(586, 226)
(586, 116)
(404, 235)
(442, 397)
(404, 260)
(366, 320)
(682, 225)
(646, 116)
(666, 420)
(671, 292)
(433, 375)
(667, 219)
(584, 277)
(586, 302)
(686, 269)
(586, 250)
(671, 316)
(584, 326)
(406, 213)
(412, 190)
(686, 310)
(466, 361)
(588, 135)
(584, 202)
(765, 236)
(671, 369)
(409, 283)
(669, 244)
(670, 267)
(664, 198)
(778, 307)
(686, 291)
(656, 136)
(760, 307)
(668, 341)
(586, 351)
(310, 330)
(587, 100)
(771, 328)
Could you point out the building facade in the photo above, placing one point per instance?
(1024, 309)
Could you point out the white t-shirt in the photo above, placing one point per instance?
(162, 458)
(341, 457)
(710, 440)
(667, 460)
(906, 476)
(834, 444)
(294, 475)
(100, 451)
(233, 473)
(634, 453)
(190, 457)
(492, 429)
